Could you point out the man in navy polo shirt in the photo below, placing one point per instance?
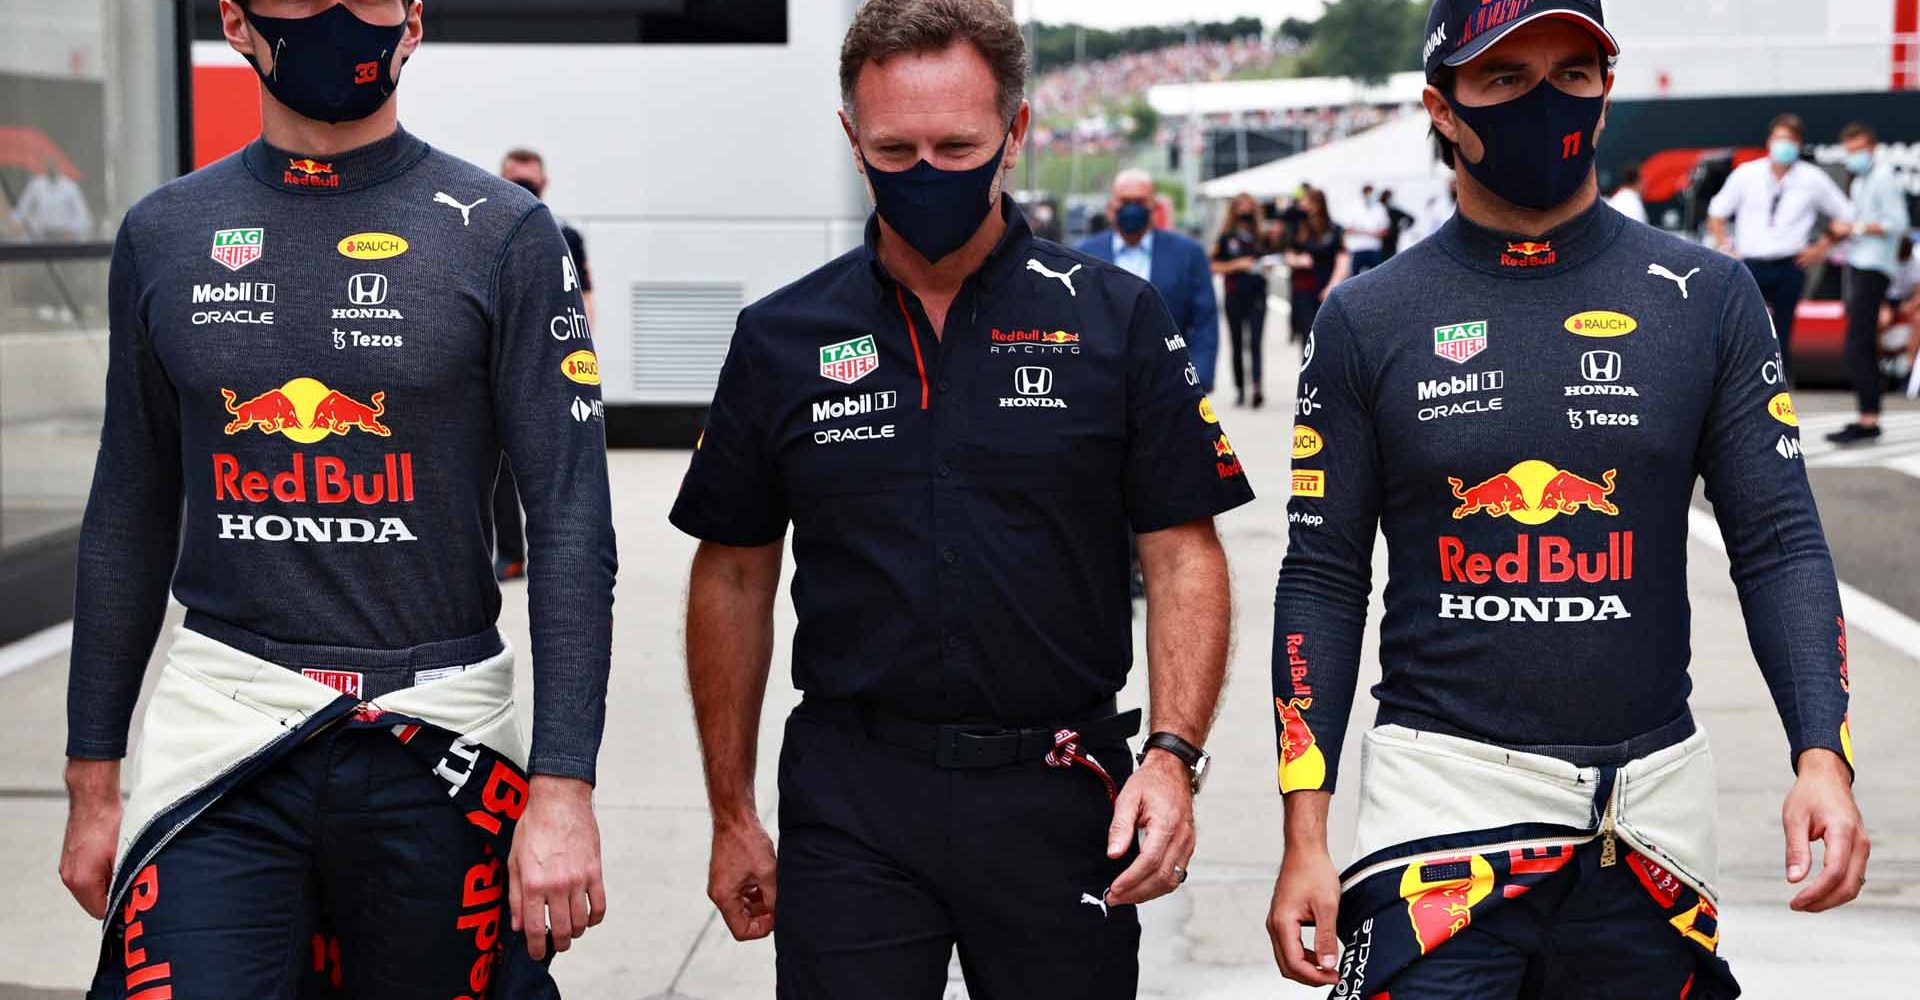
(962, 423)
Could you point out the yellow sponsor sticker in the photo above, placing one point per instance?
(1309, 483)
(1780, 408)
(1601, 323)
(582, 367)
(1307, 442)
(372, 246)
(1206, 411)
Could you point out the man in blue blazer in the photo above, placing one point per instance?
(1174, 263)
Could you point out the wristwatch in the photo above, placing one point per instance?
(1195, 758)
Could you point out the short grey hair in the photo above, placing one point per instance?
(886, 28)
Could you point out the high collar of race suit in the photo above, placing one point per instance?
(352, 170)
(1506, 255)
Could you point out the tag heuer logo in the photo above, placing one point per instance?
(236, 248)
(1461, 342)
(849, 361)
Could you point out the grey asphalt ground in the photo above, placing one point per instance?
(1207, 941)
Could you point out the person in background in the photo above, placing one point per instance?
(1366, 237)
(528, 169)
(1318, 256)
(1175, 263)
(1774, 203)
(1236, 256)
(1630, 198)
(1398, 223)
(1880, 224)
(52, 208)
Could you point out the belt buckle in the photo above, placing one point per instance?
(961, 746)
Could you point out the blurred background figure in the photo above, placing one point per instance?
(1239, 255)
(1398, 222)
(1367, 232)
(52, 207)
(528, 169)
(1774, 203)
(1316, 252)
(1629, 199)
(1173, 262)
(1879, 225)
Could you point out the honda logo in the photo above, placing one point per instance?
(1035, 381)
(1600, 366)
(367, 289)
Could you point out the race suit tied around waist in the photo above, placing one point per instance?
(1450, 828)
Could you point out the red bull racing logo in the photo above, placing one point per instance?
(1533, 493)
(1529, 254)
(1303, 766)
(1441, 896)
(306, 411)
(309, 172)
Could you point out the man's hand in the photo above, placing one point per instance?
(1813, 254)
(553, 873)
(1157, 799)
(1307, 893)
(1821, 807)
(740, 877)
(93, 831)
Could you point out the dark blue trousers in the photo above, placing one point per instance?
(889, 863)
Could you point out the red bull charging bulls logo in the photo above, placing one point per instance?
(1441, 896)
(1535, 492)
(1302, 764)
(306, 411)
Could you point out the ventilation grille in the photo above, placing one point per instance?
(680, 336)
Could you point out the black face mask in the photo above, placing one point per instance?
(936, 211)
(331, 67)
(1539, 146)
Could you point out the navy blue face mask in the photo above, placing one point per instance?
(330, 67)
(1132, 218)
(1539, 146)
(936, 211)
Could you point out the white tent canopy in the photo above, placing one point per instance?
(1177, 100)
(1396, 155)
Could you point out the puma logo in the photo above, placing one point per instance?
(466, 216)
(1660, 271)
(1047, 272)
(1087, 898)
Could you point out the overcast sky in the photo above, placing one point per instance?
(1128, 13)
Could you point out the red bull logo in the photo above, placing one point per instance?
(1222, 448)
(1297, 666)
(1034, 341)
(1060, 337)
(1535, 492)
(309, 172)
(1529, 254)
(306, 411)
(1303, 766)
(1441, 895)
(1545, 558)
(146, 977)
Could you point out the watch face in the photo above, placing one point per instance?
(1200, 769)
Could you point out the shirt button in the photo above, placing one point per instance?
(950, 556)
(944, 386)
(943, 471)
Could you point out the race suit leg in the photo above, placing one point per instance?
(228, 909)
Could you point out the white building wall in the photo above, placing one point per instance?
(1710, 48)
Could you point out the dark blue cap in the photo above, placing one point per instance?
(1459, 30)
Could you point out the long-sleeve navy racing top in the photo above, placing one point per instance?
(1525, 421)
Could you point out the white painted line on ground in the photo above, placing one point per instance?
(1865, 613)
(36, 648)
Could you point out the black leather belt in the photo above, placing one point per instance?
(958, 746)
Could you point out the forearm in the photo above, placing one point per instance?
(1306, 820)
(1189, 616)
(729, 653)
